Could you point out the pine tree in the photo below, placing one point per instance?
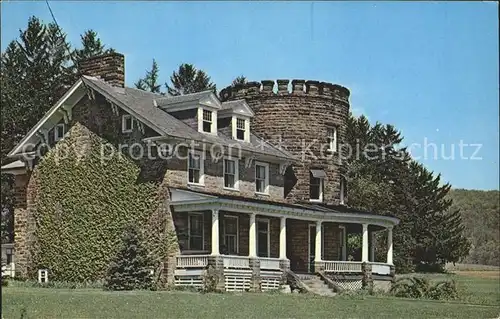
(130, 268)
(150, 81)
(91, 46)
(384, 179)
(188, 80)
(35, 71)
(239, 80)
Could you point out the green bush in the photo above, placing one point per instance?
(210, 281)
(421, 287)
(131, 268)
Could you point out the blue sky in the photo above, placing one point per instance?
(429, 68)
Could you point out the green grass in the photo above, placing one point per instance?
(482, 297)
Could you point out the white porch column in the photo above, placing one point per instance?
(317, 250)
(372, 246)
(252, 242)
(364, 251)
(283, 238)
(215, 232)
(389, 245)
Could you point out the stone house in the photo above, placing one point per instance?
(251, 183)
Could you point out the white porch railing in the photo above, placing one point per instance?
(192, 261)
(236, 262)
(342, 266)
(381, 268)
(269, 263)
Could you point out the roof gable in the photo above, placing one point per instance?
(60, 110)
(189, 101)
(238, 107)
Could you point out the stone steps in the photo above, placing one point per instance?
(317, 285)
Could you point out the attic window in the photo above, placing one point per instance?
(240, 129)
(59, 131)
(127, 123)
(207, 121)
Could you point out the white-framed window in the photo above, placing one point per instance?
(196, 168)
(316, 185)
(207, 121)
(9, 254)
(342, 190)
(241, 129)
(261, 178)
(231, 235)
(231, 174)
(59, 131)
(128, 123)
(263, 237)
(195, 231)
(332, 139)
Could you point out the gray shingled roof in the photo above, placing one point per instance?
(171, 100)
(140, 104)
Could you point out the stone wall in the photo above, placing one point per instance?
(214, 178)
(300, 119)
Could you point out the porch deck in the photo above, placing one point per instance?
(239, 270)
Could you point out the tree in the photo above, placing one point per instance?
(239, 80)
(150, 81)
(91, 46)
(131, 268)
(188, 80)
(35, 71)
(384, 179)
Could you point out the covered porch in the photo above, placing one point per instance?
(254, 243)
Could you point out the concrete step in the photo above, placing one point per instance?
(317, 286)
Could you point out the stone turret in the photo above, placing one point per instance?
(300, 118)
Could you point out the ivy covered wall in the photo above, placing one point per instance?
(82, 205)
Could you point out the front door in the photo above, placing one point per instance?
(312, 247)
(263, 237)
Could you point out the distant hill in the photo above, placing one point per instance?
(481, 216)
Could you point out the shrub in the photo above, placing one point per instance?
(421, 287)
(131, 268)
(210, 281)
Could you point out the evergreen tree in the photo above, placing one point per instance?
(188, 80)
(150, 81)
(130, 268)
(383, 178)
(35, 71)
(239, 80)
(91, 46)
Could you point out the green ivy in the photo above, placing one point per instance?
(84, 204)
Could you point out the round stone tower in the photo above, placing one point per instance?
(300, 120)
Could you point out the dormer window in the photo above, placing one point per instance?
(127, 123)
(59, 131)
(207, 121)
(316, 183)
(241, 129)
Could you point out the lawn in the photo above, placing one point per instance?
(481, 298)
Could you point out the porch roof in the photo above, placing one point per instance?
(185, 199)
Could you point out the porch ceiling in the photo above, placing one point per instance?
(190, 200)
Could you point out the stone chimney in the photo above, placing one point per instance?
(109, 67)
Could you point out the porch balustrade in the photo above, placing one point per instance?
(341, 266)
(236, 262)
(269, 263)
(193, 261)
(380, 268)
